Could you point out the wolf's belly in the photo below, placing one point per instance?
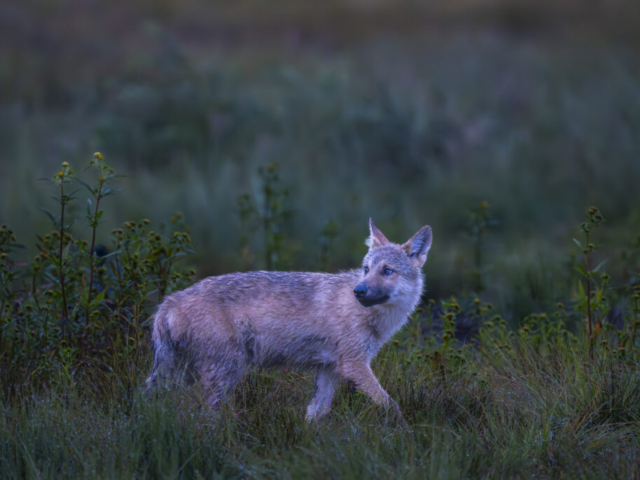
(307, 352)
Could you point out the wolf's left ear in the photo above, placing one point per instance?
(418, 246)
(376, 238)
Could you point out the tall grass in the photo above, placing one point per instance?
(540, 133)
(515, 413)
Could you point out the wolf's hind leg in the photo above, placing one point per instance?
(164, 368)
(324, 389)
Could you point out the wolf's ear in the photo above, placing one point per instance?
(418, 246)
(376, 238)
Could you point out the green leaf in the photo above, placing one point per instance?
(600, 265)
(73, 194)
(87, 186)
(65, 252)
(99, 298)
(111, 191)
(50, 215)
(577, 242)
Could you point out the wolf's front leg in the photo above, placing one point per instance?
(365, 381)
(323, 391)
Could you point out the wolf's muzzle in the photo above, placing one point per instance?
(360, 291)
(368, 298)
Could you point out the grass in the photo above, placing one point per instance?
(518, 414)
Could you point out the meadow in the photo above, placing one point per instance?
(243, 137)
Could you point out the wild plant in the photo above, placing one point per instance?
(75, 304)
(246, 211)
(327, 237)
(478, 224)
(274, 214)
(591, 297)
(270, 213)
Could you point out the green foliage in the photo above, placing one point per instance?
(68, 307)
(271, 216)
(591, 298)
(371, 131)
(479, 222)
(327, 236)
(480, 399)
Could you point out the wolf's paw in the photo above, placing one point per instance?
(394, 411)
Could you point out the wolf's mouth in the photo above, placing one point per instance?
(370, 302)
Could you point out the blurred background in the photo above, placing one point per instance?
(412, 112)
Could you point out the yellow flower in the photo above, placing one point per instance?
(65, 164)
(98, 155)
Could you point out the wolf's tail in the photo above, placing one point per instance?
(165, 366)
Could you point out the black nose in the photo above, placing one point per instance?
(360, 291)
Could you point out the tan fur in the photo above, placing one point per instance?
(215, 329)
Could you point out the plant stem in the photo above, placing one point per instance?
(64, 295)
(634, 326)
(34, 291)
(588, 281)
(91, 253)
(1, 322)
(166, 278)
(478, 250)
(267, 230)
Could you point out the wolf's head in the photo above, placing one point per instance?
(391, 273)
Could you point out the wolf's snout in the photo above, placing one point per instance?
(360, 291)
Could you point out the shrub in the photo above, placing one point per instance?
(77, 303)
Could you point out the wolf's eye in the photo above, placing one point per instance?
(387, 271)
(366, 270)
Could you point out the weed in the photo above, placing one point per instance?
(591, 298)
(271, 216)
(81, 309)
